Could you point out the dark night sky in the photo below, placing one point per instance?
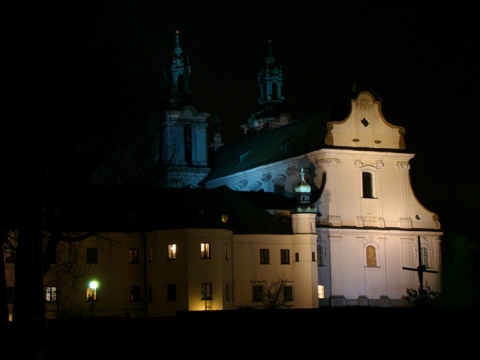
(421, 59)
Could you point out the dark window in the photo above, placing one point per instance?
(313, 256)
(257, 293)
(206, 291)
(297, 257)
(367, 183)
(188, 143)
(50, 294)
(92, 256)
(264, 256)
(285, 256)
(133, 256)
(279, 189)
(9, 255)
(10, 294)
(171, 292)
(321, 255)
(287, 293)
(150, 253)
(226, 251)
(134, 293)
(150, 293)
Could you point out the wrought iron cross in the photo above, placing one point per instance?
(420, 269)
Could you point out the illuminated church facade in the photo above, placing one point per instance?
(317, 211)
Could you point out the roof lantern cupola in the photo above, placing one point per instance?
(303, 192)
(177, 76)
(270, 79)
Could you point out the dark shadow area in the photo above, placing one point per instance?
(351, 330)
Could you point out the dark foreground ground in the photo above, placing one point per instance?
(259, 333)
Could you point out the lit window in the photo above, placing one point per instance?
(285, 256)
(172, 251)
(264, 256)
(50, 294)
(91, 294)
(205, 250)
(321, 292)
(133, 256)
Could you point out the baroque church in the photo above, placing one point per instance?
(300, 213)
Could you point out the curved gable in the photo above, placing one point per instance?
(365, 127)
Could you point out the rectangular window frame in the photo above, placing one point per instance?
(288, 293)
(285, 256)
(134, 256)
(257, 293)
(205, 250)
(172, 251)
(206, 290)
(50, 294)
(135, 292)
(171, 292)
(92, 256)
(264, 256)
(150, 253)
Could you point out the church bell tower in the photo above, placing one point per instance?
(180, 146)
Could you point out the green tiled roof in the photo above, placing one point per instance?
(270, 146)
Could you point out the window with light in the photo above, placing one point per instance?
(205, 250)
(172, 251)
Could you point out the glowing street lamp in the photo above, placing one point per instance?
(93, 288)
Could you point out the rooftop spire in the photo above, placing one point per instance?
(177, 76)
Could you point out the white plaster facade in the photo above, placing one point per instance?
(389, 217)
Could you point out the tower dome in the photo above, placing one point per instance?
(302, 186)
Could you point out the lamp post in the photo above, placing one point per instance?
(93, 288)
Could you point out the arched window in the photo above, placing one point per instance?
(274, 91)
(371, 256)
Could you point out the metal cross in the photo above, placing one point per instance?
(420, 269)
